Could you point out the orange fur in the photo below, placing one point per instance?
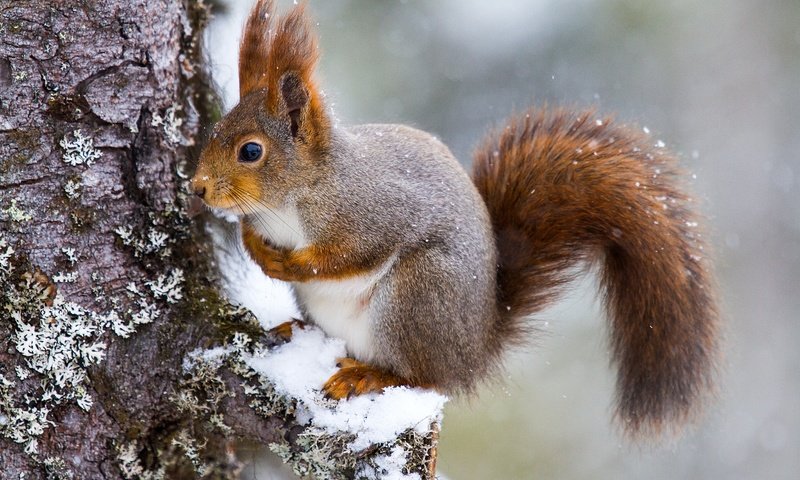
(254, 48)
(563, 188)
(358, 378)
(314, 262)
(272, 49)
(283, 332)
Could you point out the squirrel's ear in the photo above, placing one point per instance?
(255, 48)
(291, 89)
(294, 96)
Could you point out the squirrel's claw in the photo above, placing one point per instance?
(357, 378)
(282, 333)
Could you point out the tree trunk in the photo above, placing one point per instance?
(100, 104)
(107, 283)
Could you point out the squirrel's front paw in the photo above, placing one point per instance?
(356, 378)
(282, 333)
(274, 262)
(271, 260)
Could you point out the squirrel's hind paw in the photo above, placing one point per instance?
(357, 378)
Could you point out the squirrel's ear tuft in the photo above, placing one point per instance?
(291, 89)
(281, 58)
(255, 46)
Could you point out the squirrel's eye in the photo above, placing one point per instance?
(250, 152)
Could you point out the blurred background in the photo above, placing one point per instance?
(719, 82)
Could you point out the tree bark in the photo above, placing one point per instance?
(107, 283)
(100, 102)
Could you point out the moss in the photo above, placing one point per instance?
(13, 162)
(82, 219)
(213, 107)
(67, 107)
(121, 81)
(204, 301)
(23, 143)
(25, 139)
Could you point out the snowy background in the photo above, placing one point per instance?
(719, 82)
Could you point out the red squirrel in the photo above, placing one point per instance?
(428, 274)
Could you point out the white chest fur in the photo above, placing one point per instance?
(340, 307)
(343, 308)
(281, 226)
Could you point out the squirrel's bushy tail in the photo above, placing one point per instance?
(564, 187)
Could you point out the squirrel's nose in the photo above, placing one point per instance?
(199, 185)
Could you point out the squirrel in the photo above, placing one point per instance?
(430, 274)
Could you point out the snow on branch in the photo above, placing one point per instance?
(389, 435)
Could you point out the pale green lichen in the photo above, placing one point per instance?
(392, 465)
(5, 258)
(19, 75)
(200, 395)
(203, 381)
(157, 239)
(168, 286)
(65, 36)
(320, 454)
(60, 345)
(241, 341)
(72, 189)
(154, 242)
(192, 450)
(80, 150)
(22, 372)
(62, 277)
(170, 124)
(131, 467)
(58, 340)
(16, 214)
(125, 233)
(56, 469)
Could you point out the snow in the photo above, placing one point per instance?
(299, 369)
(389, 467)
(244, 284)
